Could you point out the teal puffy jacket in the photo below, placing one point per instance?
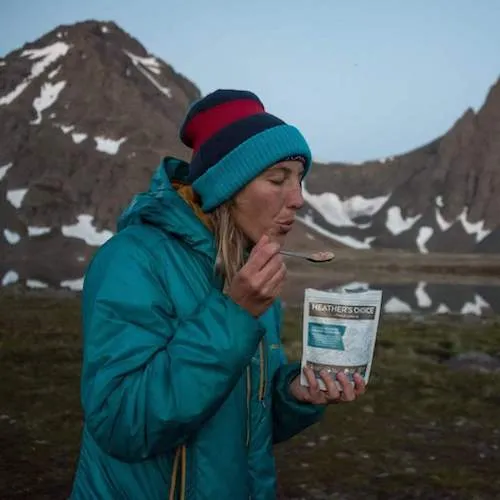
(184, 393)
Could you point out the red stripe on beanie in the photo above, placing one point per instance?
(207, 123)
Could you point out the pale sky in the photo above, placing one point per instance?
(362, 79)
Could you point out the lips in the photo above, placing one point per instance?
(285, 226)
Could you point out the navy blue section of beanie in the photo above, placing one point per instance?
(227, 139)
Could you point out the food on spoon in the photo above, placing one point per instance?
(322, 256)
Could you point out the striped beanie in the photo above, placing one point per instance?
(233, 140)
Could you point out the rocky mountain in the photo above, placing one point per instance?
(86, 113)
(442, 197)
(85, 116)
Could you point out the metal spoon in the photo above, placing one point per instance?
(311, 257)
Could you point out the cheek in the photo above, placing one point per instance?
(255, 212)
(259, 206)
(276, 202)
(266, 208)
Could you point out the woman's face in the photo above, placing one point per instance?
(270, 202)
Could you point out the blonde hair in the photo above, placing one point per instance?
(230, 240)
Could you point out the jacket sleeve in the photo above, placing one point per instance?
(149, 380)
(290, 416)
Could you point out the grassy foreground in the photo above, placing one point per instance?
(421, 431)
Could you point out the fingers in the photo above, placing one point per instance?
(273, 285)
(274, 266)
(332, 391)
(347, 387)
(261, 254)
(260, 280)
(315, 395)
(265, 269)
(312, 381)
(359, 384)
(337, 389)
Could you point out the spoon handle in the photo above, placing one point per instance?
(294, 254)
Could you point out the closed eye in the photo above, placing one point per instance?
(277, 182)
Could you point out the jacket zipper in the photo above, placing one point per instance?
(249, 397)
(183, 472)
(263, 371)
(180, 456)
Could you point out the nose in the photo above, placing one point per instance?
(295, 197)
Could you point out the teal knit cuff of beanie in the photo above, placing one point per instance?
(235, 170)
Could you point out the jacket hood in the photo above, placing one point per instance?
(170, 205)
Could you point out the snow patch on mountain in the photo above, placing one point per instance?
(398, 224)
(16, 197)
(9, 278)
(109, 146)
(54, 72)
(471, 228)
(78, 137)
(48, 96)
(476, 228)
(424, 235)
(442, 223)
(341, 213)
(36, 284)
(85, 230)
(75, 285)
(146, 65)
(359, 206)
(3, 170)
(11, 237)
(45, 56)
(38, 231)
(345, 239)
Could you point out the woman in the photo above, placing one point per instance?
(185, 387)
